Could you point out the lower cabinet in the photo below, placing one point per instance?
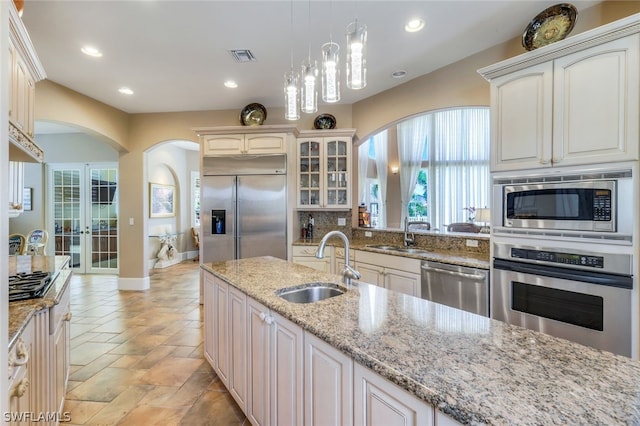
(377, 401)
(22, 396)
(60, 335)
(328, 384)
(395, 273)
(306, 255)
(280, 375)
(275, 348)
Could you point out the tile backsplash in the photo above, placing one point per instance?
(325, 221)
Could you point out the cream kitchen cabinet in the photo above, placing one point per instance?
(60, 336)
(306, 255)
(225, 335)
(22, 380)
(377, 401)
(25, 70)
(275, 350)
(397, 273)
(242, 140)
(324, 169)
(339, 259)
(580, 108)
(328, 384)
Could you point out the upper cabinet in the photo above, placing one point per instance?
(24, 71)
(241, 140)
(574, 102)
(324, 169)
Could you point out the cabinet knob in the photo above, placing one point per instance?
(269, 320)
(21, 388)
(67, 316)
(22, 353)
(263, 316)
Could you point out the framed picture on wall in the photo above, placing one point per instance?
(27, 194)
(161, 200)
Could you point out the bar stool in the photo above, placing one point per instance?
(36, 242)
(17, 244)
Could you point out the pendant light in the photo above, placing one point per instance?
(291, 106)
(331, 68)
(309, 92)
(356, 55)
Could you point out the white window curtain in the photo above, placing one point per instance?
(380, 145)
(458, 158)
(412, 137)
(363, 166)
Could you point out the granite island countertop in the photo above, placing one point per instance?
(475, 369)
(20, 312)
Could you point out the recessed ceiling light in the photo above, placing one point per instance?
(399, 74)
(91, 51)
(230, 84)
(414, 25)
(125, 91)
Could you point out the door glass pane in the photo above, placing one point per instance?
(66, 208)
(104, 218)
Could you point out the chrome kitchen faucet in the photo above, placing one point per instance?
(348, 272)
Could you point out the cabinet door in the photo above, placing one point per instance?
(380, 402)
(370, 274)
(221, 330)
(209, 318)
(222, 144)
(402, 282)
(258, 364)
(16, 188)
(309, 173)
(337, 152)
(596, 98)
(21, 94)
(521, 119)
(328, 384)
(12, 81)
(266, 144)
(60, 319)
(238, 346)
(286, 353)
(22, 380)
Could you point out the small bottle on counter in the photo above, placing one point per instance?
(310, 228)
(303, 231)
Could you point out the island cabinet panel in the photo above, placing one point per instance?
(238, 346)
(275, 349)
(207, 297)
(442, 419)
(380, 402)
(60, 328)
(22, 378)
(328, 384)
(395, 273)
(221, 330)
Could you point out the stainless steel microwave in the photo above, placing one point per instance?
(586, 205)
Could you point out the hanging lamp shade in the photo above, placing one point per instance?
(356, 55)
(291, 107)
(309, 88)
(330, 72)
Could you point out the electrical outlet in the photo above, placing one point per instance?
(342, 221)
(472, 243)
(368, 234)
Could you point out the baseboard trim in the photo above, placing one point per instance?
(134, 284)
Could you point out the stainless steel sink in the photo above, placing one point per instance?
(310, 293)
(384, 247)
(411, 250)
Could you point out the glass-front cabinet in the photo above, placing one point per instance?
(324, 171)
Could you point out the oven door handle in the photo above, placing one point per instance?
(593, 277)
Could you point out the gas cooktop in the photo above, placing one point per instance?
(31, 285)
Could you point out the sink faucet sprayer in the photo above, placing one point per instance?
(410, 238)
(348, 272)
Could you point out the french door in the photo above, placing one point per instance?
(83, 206)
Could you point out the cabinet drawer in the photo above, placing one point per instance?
(388, 261)
(309, 251)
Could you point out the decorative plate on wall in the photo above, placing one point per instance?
(550, 25)
(324, 121)
(253, 115)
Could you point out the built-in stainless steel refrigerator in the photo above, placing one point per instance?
(243, 207)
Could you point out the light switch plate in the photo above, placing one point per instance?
(472, 243)
(130, 221)
(342, 221)
(368, 234)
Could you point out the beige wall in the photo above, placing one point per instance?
(455, 85)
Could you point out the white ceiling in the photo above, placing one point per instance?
(174, 54)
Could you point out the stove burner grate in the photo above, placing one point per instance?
(29, 286)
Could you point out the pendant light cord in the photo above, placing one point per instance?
(309, 24)
(291, 35)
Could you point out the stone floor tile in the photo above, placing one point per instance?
(82, 411)
(171, 371)
(87, 371)
(86, 352)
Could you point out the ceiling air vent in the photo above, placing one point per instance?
(242, 55)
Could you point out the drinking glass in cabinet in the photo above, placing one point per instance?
(314, 180)
(331, 181)
(304, 197)
(331, 197)
(315, 196)
(342, 197)
(304, 181)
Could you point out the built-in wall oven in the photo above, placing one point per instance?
(583, 296)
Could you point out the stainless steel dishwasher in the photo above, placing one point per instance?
(457, 286)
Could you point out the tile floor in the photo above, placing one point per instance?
(137, 357)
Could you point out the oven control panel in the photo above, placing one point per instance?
(558, 257)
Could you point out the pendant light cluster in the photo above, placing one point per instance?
(356, 72)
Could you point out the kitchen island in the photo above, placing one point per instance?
(473, 369)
